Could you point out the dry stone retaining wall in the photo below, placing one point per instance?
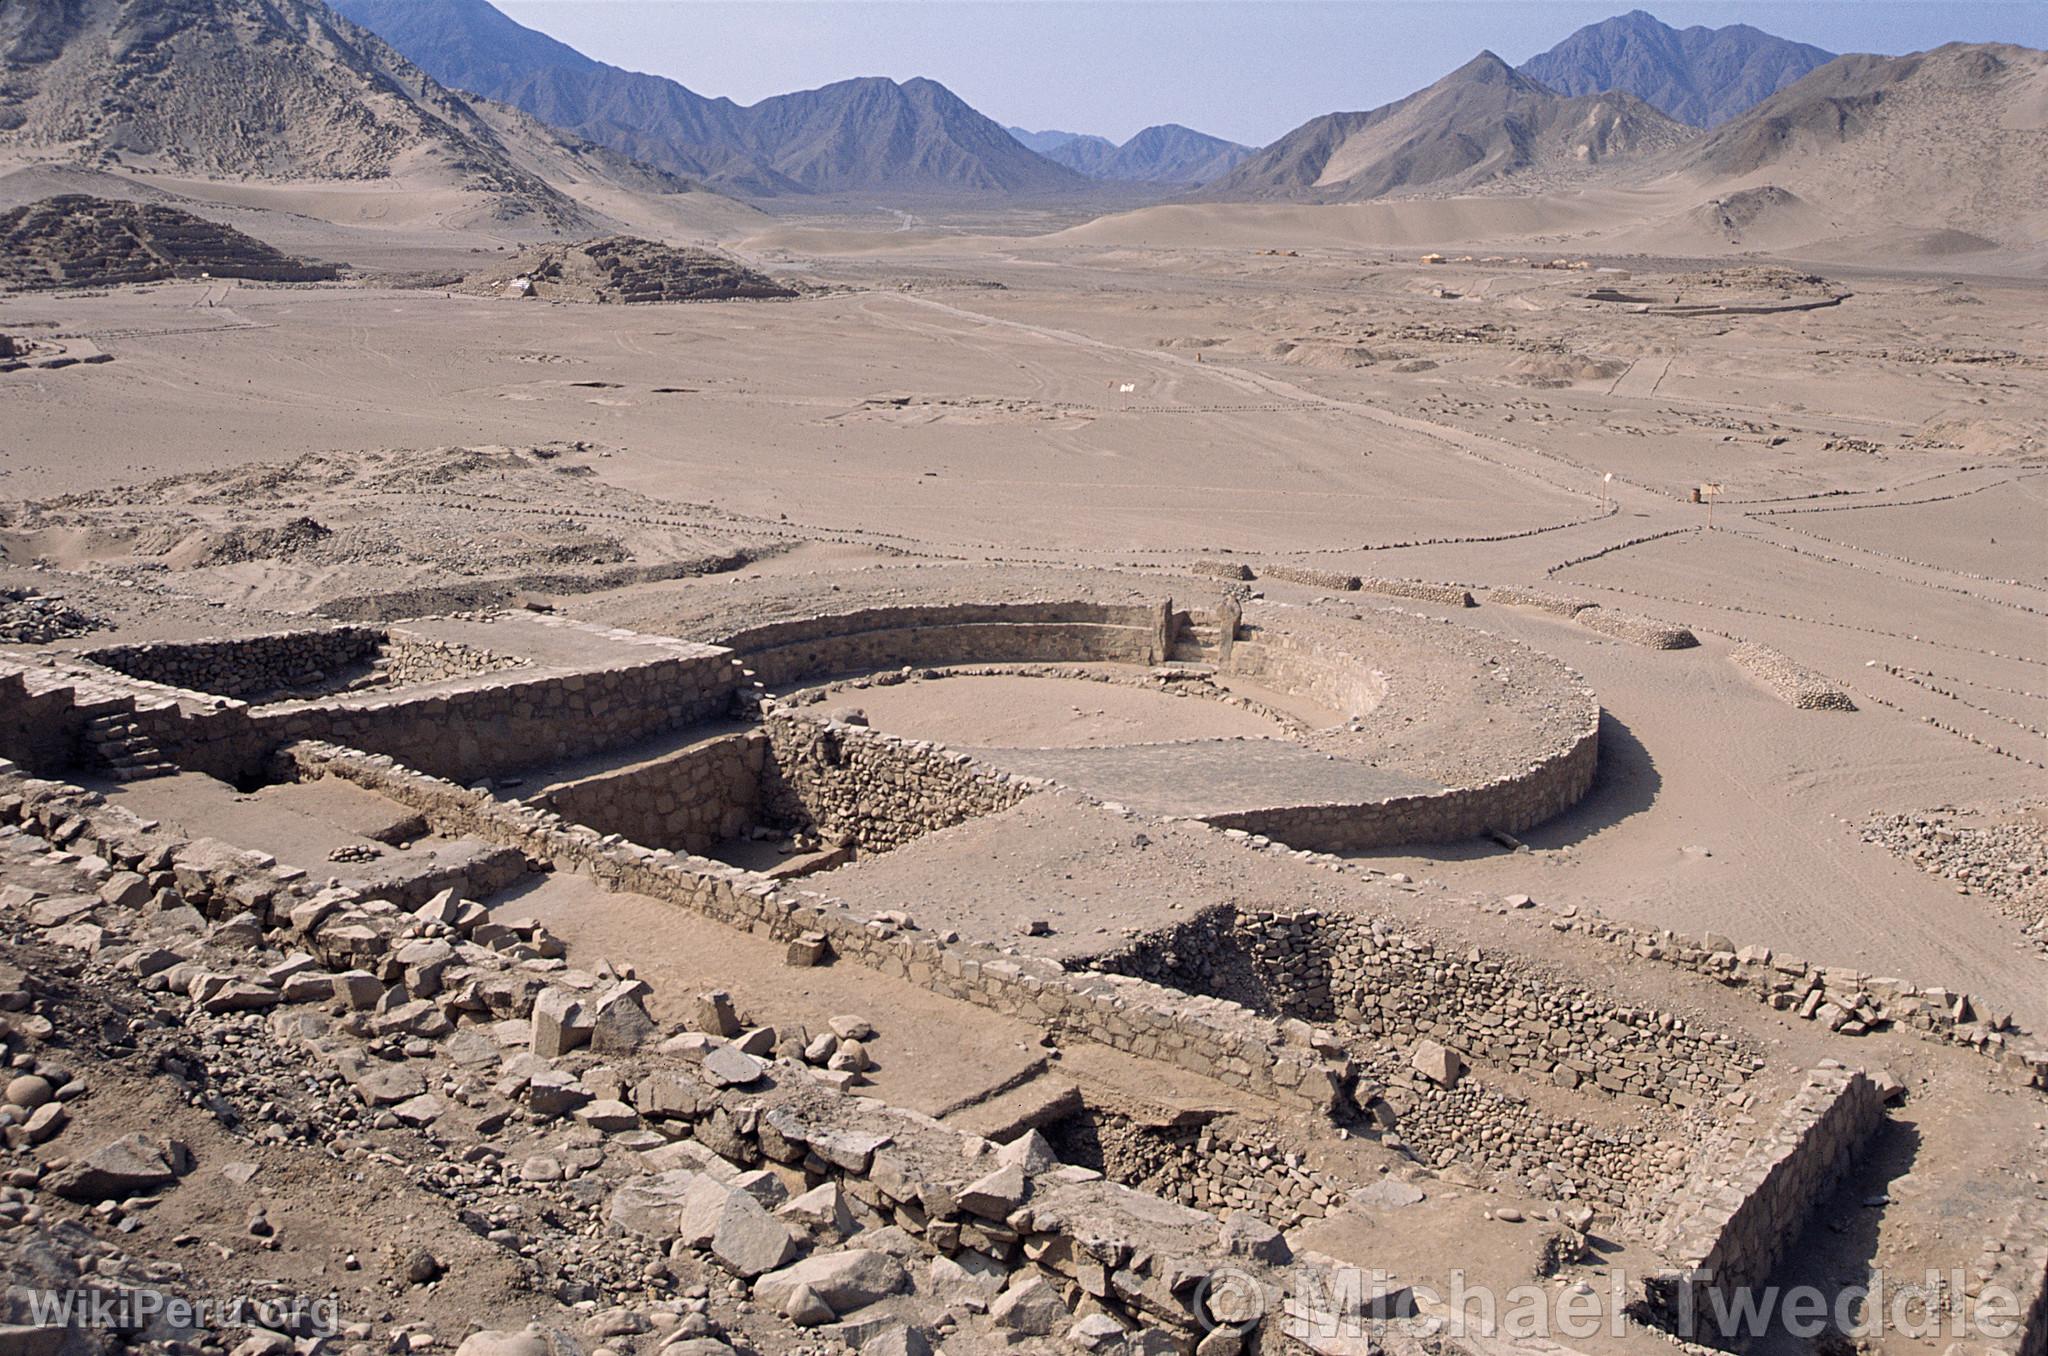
(1372, 981)
(1746, 1207)
(1210, 1036)
(247, 666)
(689, 801)
(874, 789)
(1504, 805)
(879, 638)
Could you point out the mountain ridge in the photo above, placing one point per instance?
(850, 136)
(1700, 76)
(1480, 125)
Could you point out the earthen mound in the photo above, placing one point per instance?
(624, 268)
(79, 241)
(1552, 370)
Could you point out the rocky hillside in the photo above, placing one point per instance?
(278, 91)
(1478, 126)
(1701, 76)
(852, 136)
(79, 241)
(1954, 141)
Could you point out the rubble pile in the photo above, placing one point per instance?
(2003, 855)
(32, 619)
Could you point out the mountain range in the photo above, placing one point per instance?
(850, 136)
(1481, 124)
(1166, 154)
(1700, 76)
(288, 92)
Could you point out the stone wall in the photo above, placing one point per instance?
(1371, 981)
(1210, 1036)
(248, 666)
(873, 789)
(1791, 681)
(1747, 1204)
(504, 724)
(1346, 683)
(690, 800)
(1380, 991)
(2016, 1261)
(878, 638)
(1504, 805)
(1218, 1166)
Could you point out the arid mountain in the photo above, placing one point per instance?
(282, 91)
(852, 136)
(1701, 76)
(1044, 142)
(1166, 154)
(1479, 125)
(1953, 141)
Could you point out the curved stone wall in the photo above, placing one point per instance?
(879, 638)
(1515, 740)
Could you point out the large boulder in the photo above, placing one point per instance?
(749, 1240)
(846, 1280)
(128, 1166)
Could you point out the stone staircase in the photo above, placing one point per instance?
(1195, 642)
(128, 754)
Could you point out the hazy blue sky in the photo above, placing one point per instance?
(1245, 69)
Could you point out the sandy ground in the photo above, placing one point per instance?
(944, 419)
(1879, 499)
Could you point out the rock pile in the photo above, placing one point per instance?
(32, 619)
(624, 268)
(1793, 682)
(2005, 856)
(78, 241)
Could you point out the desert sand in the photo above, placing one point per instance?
(1839, 456)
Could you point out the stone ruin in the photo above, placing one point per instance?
(1059, 1213)
(626, 269)
(74, 240)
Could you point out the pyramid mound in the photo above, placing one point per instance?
(624, 268)
(79, 241)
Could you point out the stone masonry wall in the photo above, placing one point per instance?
(878, 790)
(502, 724)
(1379, 992)
(1745, 1206)
(246, 666)
(1506, 805)
(689, 801)
(1211, 1036)
(877, 638)
(1369, 980)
